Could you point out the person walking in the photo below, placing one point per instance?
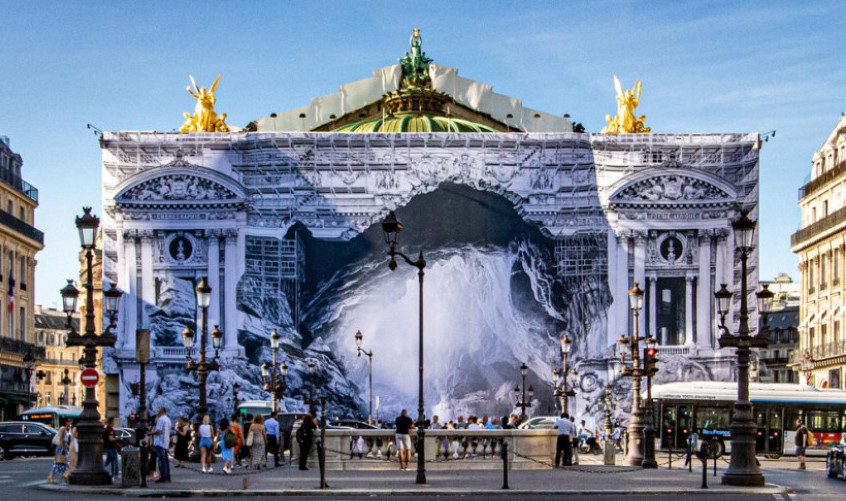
(305, 437)
(692, 446)
(239, 435)
(574, 435)
(563, 444)
(257, 441)
(272, 427)
(442, 442)
(801, 442)
(110, 447)
(617, 435)
(403, 426)
(161, 441)
(60, 451)
(183, 439)
(227, 441)
(206, 444)
(245, 433)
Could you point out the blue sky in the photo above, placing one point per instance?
(729, 66)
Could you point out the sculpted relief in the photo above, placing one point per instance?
(179, 187)
(672, 188)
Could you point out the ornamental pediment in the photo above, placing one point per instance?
(675, 187)
(181, 186)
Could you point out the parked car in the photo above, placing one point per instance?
(20, 438)
(348, 423)
(539, 423)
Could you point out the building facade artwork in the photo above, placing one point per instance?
(57, 376)
(820, 243)
(19, 243)
(530, 231)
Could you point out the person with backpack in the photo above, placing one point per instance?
(692, 446)
(228, 441)
(801, 442)
(236, 429)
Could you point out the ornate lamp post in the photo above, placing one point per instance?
(743, 468)
(276, 387)
(359, 351)
(202, 366)
(89, 470)
(630, 348)
(312, 402)
(391, 227)
(648, 411)
(525, 401)
(564, 393)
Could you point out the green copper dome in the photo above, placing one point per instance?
(415, 123)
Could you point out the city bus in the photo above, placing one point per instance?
(707, 407)
(52, 415)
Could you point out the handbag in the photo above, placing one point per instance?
(250, 439)
(60, 459)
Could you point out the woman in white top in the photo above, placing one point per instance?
(206, 444)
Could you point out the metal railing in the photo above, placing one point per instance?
(11, 345)
(821, 352)
(823, 179)
(21, 227)
(17, 183)
(835, 218)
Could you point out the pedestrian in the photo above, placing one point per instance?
(473, 424)
(183, 439)
(617, 435)
(60, 451)
(110, 447)
(460, 424)
(563, 443)
(239, 435)
(692, 445)
(574, 435)
(442, 442)
(227, 441)
(403, 425)
(305, 437)
(257, 440)
(206, 445)
(73, 451)
(801, 442)
(272, 427)
(506, 423)
(161, 441)
(245, 431)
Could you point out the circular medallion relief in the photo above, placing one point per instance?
(671, 249)
(180, 249)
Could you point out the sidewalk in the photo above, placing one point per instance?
(584, 479)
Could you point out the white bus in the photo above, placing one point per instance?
(707, 407)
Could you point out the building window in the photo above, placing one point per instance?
(834, 378)
(835, 266)
(10, 207)
(811, 284)
(23, 273)
(813, 214)
(670, 311)
(825, 208)
(48, 398)
(22, 214)
(48, 378)
(22, 323)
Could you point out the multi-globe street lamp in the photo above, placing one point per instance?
(629, 347)
(202, 365)
(359, 351)
(743, 467)
(89, 469)
(563, 392)
(524, 401)
(391, 227)
(268, 371)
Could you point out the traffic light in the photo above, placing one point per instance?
(650, 361)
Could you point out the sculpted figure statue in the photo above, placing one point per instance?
(625, 121)
(204, 118)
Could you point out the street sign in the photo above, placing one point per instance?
(89, 378)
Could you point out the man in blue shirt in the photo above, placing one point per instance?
(563, 445)
(272, 427)
(161, 441)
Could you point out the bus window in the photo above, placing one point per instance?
(820, 421)
(792, 415)
(712, 418)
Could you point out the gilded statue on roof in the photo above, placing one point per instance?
(415, 64)
(204, 118)
(626, 121)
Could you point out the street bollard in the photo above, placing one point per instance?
(243, 483)
(670, 464)
(689, 459)
(704, 459)
(715, 465)
(504, 453)
(130, 462)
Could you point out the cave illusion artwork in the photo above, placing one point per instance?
(531, 231)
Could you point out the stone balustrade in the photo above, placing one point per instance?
(466, 449)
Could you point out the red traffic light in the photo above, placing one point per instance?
(651, 352)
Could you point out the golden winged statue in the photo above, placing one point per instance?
(626, 121)
(204, 119)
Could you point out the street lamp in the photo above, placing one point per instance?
(359, 351)
(564, 393)
(629, 347)
(274, 387)
(391, 227)
(202, 366)
(525, 401)
(312, 403)
(743, 467)
(66, 381)
(89, 469)
(29, 369)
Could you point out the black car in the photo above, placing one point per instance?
(25, 438)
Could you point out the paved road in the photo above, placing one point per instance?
(18, 478)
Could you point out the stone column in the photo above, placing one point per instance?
(613, 278)
(640, 269)
(214, 276)
(148, 291)
(723, 263)
(230, 286)
(704, 294)
(120, 331)
(653, 306)
(688, 310)
(130, 313)
(621, 293)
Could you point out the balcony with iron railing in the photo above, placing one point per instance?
(21, 227)
(821, 352)
(832, 220)
(11, 345)
(18, 184)
(823, 179)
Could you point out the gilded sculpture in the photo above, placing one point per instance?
(415, 65)
(626, 121)
(204, 118)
